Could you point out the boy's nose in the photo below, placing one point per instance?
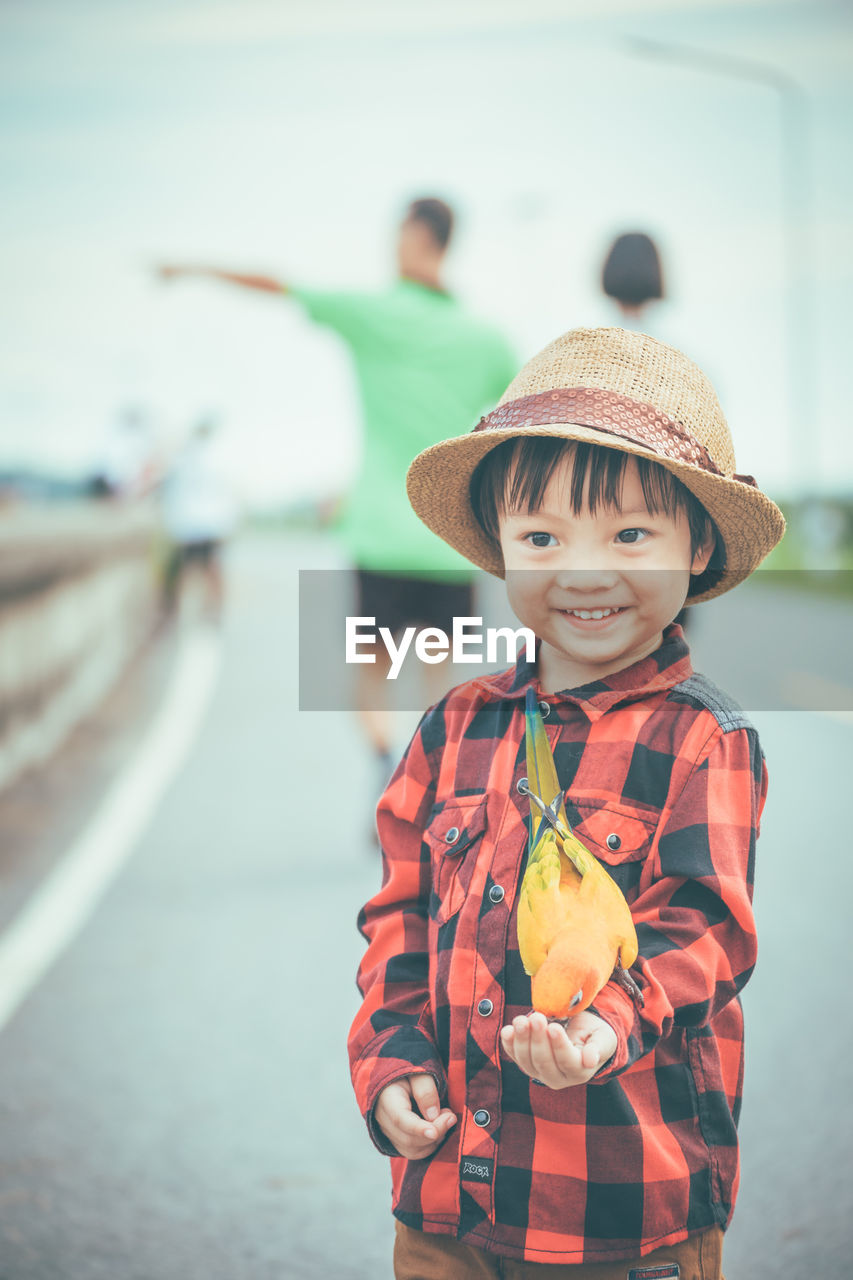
(598, 578)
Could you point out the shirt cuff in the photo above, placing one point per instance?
(616, 1008)
(402, 1051)
(378, 1138)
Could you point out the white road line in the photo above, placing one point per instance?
(62, 904)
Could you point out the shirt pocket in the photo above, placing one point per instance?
(453, 836)
(613, 832)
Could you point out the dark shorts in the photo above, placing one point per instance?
(198, 552)
(397, 602)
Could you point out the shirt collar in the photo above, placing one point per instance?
(409, 282)
(661, 670)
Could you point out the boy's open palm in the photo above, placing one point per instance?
(409, 1113)
(559, 1056)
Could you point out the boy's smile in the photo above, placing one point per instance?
(597, 588)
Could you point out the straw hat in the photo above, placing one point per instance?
(622, 390)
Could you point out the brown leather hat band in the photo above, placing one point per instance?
(605, 411)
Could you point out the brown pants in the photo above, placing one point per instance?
(419, 1256)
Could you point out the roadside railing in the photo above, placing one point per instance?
(78, 598)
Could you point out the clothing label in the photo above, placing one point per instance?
(663, 1271)
(476, 1169)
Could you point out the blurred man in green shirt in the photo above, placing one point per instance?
(426, 370)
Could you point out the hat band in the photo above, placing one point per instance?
(609, 412)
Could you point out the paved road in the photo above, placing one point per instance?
(174, 1096)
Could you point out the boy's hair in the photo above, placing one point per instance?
(515, 474)
(435, 214)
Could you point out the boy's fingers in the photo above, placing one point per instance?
(521, 1045)
(567, 1055)
(410, 1123)
(427, 1134)
(542, 1048)
(394, 1101)
(596, 1044)
(425, 1094)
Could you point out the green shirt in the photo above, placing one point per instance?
(426, 371)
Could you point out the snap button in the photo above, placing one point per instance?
(613, 841)
(496, 893)
(452, 835)
(545, 708)
(481, 1118)
(485, 1007)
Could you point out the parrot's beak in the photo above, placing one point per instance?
(576, 999)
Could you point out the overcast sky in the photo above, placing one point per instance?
(287, 136)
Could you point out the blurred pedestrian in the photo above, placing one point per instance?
(125, 467)
(426, 368)
(199, 516)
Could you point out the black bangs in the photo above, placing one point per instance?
(514, 476)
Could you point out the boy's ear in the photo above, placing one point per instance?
(703, 554)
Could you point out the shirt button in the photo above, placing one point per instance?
(452, 835)
(613, 841)
(545, 709)
(496, 893)
(485, 1007)
(481, 1118)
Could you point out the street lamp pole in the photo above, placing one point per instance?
(797, 180)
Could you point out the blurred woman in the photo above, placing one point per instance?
(633, 278)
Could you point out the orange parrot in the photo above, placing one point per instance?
(575, 930)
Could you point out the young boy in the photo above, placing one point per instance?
(603, 488)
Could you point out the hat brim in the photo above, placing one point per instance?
(750, 524)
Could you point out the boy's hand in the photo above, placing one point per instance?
(559, 1056)
(409, 1113)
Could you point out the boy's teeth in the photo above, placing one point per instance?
(587, 614)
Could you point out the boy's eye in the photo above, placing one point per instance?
(541, 539)
(630, 535)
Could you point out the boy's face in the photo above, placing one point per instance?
(597, 589)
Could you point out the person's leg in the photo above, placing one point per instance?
(397, 602)
(419, 1255)
(379, 596)
(172, 575)
(214, 580)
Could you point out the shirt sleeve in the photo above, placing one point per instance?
(393, 1035)
(695, 926)
(344, 312)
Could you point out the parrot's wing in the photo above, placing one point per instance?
(541, 771)
(541, 911)
(584, 862)
(611, 905)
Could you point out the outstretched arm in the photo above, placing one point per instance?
(265, 284)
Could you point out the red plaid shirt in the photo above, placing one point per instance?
(646, 1153)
